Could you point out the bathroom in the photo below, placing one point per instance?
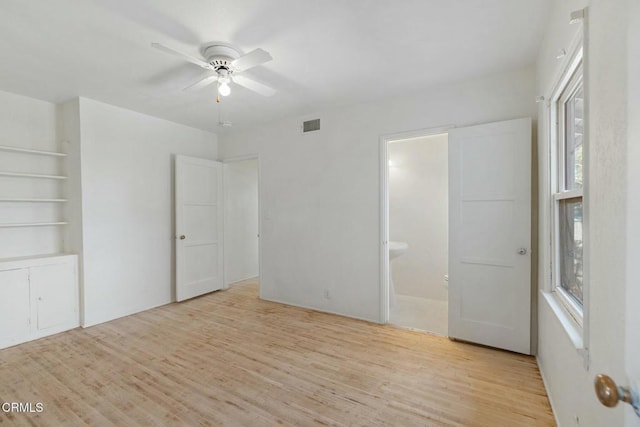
(418, 233)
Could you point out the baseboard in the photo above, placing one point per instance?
(320, 310)
(546, 389)
(96, 322)
(241, 280)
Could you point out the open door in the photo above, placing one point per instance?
(632, 325)
(490, 234)
(199, 227)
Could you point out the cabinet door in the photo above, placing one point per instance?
(14, 307)
(54, 291)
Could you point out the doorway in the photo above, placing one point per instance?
(417, 190)
(488, 279)
(241, 221)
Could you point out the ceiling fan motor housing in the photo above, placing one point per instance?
(220, 56)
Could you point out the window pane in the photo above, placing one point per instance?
(571, 247)
(574, 125)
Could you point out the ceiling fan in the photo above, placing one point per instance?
(226, 64)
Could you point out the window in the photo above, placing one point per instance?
(567, 190)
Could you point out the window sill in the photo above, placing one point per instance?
(571, 328)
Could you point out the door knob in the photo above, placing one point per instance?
(183, 237)
(609, 393)
(522, 251)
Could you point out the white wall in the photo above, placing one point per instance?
(321, 191)
(30, 123)
(570, 386)
(240, 220)
(419, 214)
(127, 163)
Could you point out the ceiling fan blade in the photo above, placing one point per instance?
(253, 85)
(251, 59)
(184, 56)
(205, 81)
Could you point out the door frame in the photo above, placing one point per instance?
(384, 207)
(242, 158)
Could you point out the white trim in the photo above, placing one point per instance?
(571, 307)
(32, 224)
(33, 261)
(384, 141)
(571, 194)
(572, 83)
(577, 42)
(547, 389)
(574, 321)
(321, 310)
(556, 156)
(240, 159)
(388, 137)
(586, 251)
(32, 175)
(33, 200)
(242, 280)
(384, 230)
(575, 81)
(32, 151)
(569, 324)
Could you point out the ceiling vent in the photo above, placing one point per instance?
(310, 125)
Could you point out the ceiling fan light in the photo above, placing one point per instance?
(224, 89)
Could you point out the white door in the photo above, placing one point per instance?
(490, 234)
(632, 325)
(632, 318)
(199, 227)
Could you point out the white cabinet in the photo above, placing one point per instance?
(14, 306)
(38, 297)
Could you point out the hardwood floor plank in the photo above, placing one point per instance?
(228, 358)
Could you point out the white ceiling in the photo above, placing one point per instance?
(325, 52)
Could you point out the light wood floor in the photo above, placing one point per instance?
(229, 358)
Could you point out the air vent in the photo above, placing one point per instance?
(310, 125)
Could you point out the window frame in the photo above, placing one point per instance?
(572, 79)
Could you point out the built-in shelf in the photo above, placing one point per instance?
(28, 261)
(32, 175)
(33, 224)
(30, 151)
(34, 200)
